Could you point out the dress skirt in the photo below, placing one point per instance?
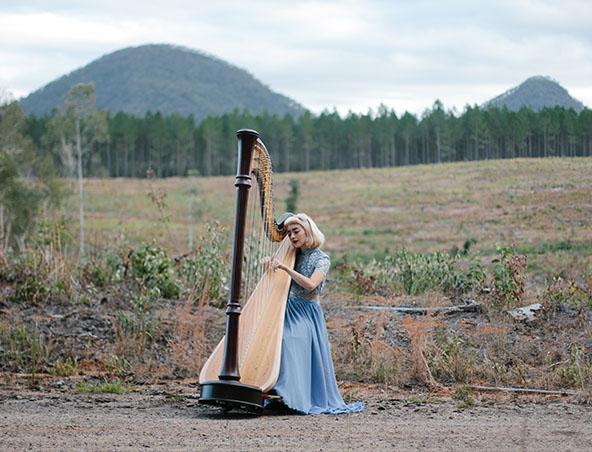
(306, 380)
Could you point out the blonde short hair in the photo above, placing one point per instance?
(314, 237)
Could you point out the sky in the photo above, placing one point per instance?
(344, 55)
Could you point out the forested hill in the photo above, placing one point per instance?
(167, 79)
(536, 93)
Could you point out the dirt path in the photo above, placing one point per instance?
(68, 421)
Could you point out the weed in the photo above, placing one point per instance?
(42, 270)
(158, 198)
(206, 270)
(366, 357)
(576, 370)
(154, 270)
(25, 350)
(419, 331)
(188, 344)
(464, 251)
(100, 269)
(292, 199)
(357, 279)
(116, 387)
(65, 368)
(554, 247)
(407, 272)
(417, 273)
(463, 394)
(451, 358)
(561, 291)
(135, 330)
(507, 281)
(177, 397)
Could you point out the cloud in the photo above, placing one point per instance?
(346, 54)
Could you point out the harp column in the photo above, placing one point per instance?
(230, 365)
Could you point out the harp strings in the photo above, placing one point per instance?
(260, 243)
(261, 237)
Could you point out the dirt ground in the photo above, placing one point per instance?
(57, 416)
(164, 419)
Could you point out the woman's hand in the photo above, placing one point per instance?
(272, 264)
(276, 264)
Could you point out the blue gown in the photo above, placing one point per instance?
(306, 380)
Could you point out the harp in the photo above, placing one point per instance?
(245, 364)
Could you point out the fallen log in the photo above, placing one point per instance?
(470, 306)
(525, 390)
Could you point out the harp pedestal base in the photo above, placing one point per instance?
(231, 393)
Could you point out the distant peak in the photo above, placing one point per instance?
(545, 78)
(536, 92)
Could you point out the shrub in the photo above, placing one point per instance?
(154, 270)
(507, 281)
(43, 270)
(208, 267)
(410, 273)
(25, 349)
(101, 269)
(560, 291)
(576, 370)
(294, 195)
(415, 273)
(451, 359)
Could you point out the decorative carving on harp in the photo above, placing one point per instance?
(245, 364)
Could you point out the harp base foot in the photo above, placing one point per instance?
(231, 393)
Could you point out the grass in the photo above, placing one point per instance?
(116, 387)
(445, 218)
(542, 205)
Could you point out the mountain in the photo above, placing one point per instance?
(536, 92)
(165, 78)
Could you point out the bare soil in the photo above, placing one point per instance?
(169, 418)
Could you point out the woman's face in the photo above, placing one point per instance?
(297, 235)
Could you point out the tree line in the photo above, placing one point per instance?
(176, 145)
(78, 140)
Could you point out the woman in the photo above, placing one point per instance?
(306, 381)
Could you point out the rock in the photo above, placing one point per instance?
(526, 313)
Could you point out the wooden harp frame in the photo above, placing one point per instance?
(245, 364)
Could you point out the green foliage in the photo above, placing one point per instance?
(452, 358)
(560, 291)
(416, 273)
(464, 395)
(554, 247)
(24, 349)
(154, 270)
(65, 367)
(28, 180)
(19, 200)
(41, 271)
(101, 268)
(292, 199)
(576, 370)
(175, 145)
(507, 281)
(141, 323)
(465, 249)
(410, 273)
(52, 236)
(207, 269)
(34, 290)
(115, 387)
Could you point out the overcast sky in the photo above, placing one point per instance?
(343, 54)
